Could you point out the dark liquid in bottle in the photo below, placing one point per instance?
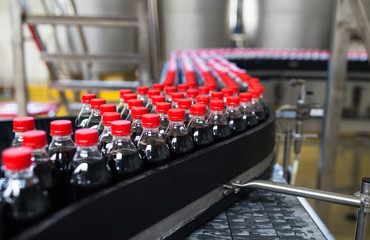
(136, 133)
(93, 122)
(105, 145)
(153, 153)
(124, 164)
(120, 108)
(124, 113)
(221, 132)
(179, 143)
(260, 115)
(81, 120)
(202, 135)
(236, 124)
(86, 177)
(163, 126)
(251, 121)
(266, 110)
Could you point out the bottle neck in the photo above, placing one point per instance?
(107, 128)
(118, 138)
(95, 112)
(19, 174)
(217, 112)
(136, 121)
(151, 129)
(245, 104)
(39, 151)
(232, 108)
(92, 147)
(176, 123)
(163, 115)
(61, 138)
(198, 117)
(255, 100)
(86, 106)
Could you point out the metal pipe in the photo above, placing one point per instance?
(83, 20)
(287, 145)
(362, 222)
(303, 192)
(131, 58)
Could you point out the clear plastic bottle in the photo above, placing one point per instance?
(197, 128)
(20, 126)
(43, 167)
(175, 97)
(162, 109)
(192, 94)
(159, 87)
(168, 91)
(133, 103)
(176, 135)
(121, 104)
(256, 105)
(136, 126)
(105, 139)
(234, 116)
(227, 92)
(85, 112)
(247, 111)
(217, 121)
(151, 94)
(95, 117)
(155, 100)
(104, 108)
(152, 148)
(217, 96)
(204, 100)
(185, 104)
(203, 91)
(263, 100)
(88, 172)
(182, 88)
(142, 94)
(123, 158)
(125, 110)
(24, 200)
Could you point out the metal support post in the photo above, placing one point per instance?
(333, 103)
(363, 214)
(154, 37)
(287, 145)
(21, 93)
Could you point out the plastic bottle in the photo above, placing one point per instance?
(227, 92)
(192, 94)
(121, 104)
(234, 116)
(182, 88)
(152, 148)
(88, 172)
(197, 128)
(162, 109)
(131, 104)
(123, 158)
(95, 117)
(159, 87)
(155, 100)
(125, 110)
(105, 138)
(85, 112)
(151, 94)
(263, 100)
(185, 104)
(104, 108)
(247, 111)
(136, 126)
(168, 91)
(217, 121)
(204, 100)
(256, 105)
(175, 97)
(176, 135)
(142, 94)
(20, 126)
(217, 96)
(24, 200)
(203, 91)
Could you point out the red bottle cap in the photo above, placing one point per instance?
(203, 90)
(217, 96)
(184, 103)
(61, 127)
(232, 101)
(254, 93)
(245, 97)
(163, 107)
(34, 139)
(182, 87)
(86, 98)
(150, 120)
(158, 86)
(128, 97)
(177, 95)
(109, 117)
(138, 112)
(227, 92)
(17, 158)
(158, 99)
(212, 86)
(123, 92)
(96, 102)
(177, 114)
(192, 93)
(121, 128)
(235, 89)
(202, 100)
(107, 108)
(217, 105)
(192, 85)
(152, 93)
(261, 90)
(198, 109)
(142, 90)
(86, 136)
(169, 90)
(134, 103)
(23, 124)
(254, 80)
